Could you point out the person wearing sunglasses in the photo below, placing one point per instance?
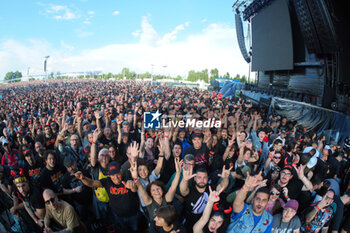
(61, 213)
(272, 161)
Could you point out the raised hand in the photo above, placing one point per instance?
(252, 181)
(178, 164)
(161, 146)
(225, 173)
(300, 171)
(187, 174)
(134, 150)
(214, 196)
(96, 134)
(133, 170)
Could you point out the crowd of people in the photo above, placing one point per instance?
(76, 157)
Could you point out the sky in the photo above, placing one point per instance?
(90, 35)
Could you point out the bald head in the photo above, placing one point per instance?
(50, 199)
(48, 193)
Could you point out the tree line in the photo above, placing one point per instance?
(193, 76)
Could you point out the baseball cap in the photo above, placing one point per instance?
(197, 135)
(312, 162)
(114, 168)
(293, 204)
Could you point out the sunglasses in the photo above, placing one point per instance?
(51, 200)
(277, 157)
(275, 193)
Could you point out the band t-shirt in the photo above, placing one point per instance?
(123, 201)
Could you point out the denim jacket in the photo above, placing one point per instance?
(245, 223)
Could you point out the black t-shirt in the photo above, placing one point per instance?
(70, 182)
(321, 168)
(168, 169)
(52, 179)
(49, 143)
(195, 203)
(294, 188)
(201, 155)
(123, 201)
(33, 172)
(34, 200)
(334, 167)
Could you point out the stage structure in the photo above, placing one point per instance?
(298, 48)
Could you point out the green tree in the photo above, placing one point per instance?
(12, 77)
(214, 73)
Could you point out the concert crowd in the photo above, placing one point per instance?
(78, 156)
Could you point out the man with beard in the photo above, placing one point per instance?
(294, 185)
(253, 217)
(196, 196)
(31, 196)
(80, 194)
(318, 215)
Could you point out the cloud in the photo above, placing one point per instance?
(60, 12)
(91, 12)
(213, 47)
(116, 12)
(136, 33)
(172, 35)
(204, 20)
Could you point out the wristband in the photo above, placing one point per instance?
(36, 221)
(242, 187)
(229, 146)
(160, 156)
(136, 179)
(93, 142)
(74, 190)
(166, 136)
(318, 209)
(287, 196)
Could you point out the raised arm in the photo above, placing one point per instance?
(144, 195)
(161, 148)
(228, 148)
(250, 183)
(93, 152)
(186, 176)
(169, 196)
(307, 183)
(87, 181)
(200, 224)
(225, 181)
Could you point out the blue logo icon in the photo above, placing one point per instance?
(151, 120)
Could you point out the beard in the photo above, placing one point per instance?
(201, 185)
